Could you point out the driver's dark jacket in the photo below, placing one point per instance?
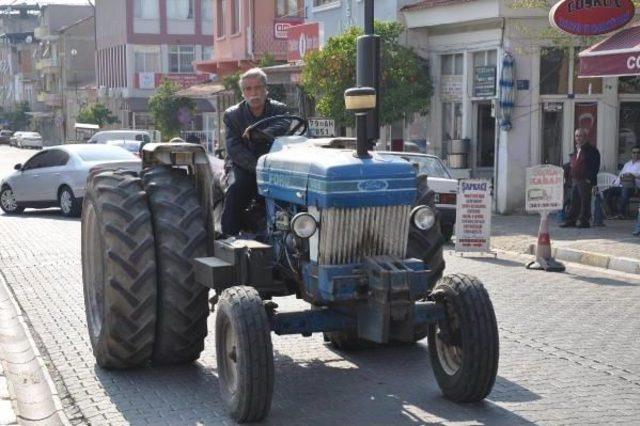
(241, 152)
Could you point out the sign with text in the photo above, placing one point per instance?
(484, 81)
(544, 188)
(451, 88)
(473, 215)
(591, 17)
(302, 39)
(321, 128)
(281, 27)
(150, 80)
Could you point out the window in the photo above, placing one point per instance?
(584, 85)
(629, 85)
(146, 9)
(451, 64)
(147, 61)
(235, 16)
(207, 10)
(451, 120)
(317, 3)
(180, 9)
(485, 58)
(484, 73)
(180, 59)
(57, 157)
(207, 52)
(37, 161)
(287, 8)
(554, 71)
(221, 12)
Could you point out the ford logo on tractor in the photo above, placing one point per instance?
(373, 185)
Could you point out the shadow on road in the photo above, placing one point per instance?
(605, 281)
(52, 213)
(501, 262)
(356, 388)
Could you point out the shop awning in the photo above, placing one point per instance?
(201, 91)
(617, 55)
(222, 66)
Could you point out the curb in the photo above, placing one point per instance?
(36, 399)
(620, 264)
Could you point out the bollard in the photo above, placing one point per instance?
(544, 260)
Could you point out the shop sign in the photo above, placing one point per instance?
(552, 106)
(281, 27)
(522, 84)
(545, 188)
(150, 80)
(451, 88)
(147, 80)
(302, 39)
(610, 65)
(591, 17)
(484, 81)
(473, 215)
(321, 127)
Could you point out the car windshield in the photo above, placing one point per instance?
(106, 153)
(431, 166)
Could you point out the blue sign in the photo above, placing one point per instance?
(522, 84)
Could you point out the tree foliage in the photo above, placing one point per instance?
(18, 119)
(167, 109)
(405, 84)
(96, 113)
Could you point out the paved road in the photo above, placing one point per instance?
(570, 351)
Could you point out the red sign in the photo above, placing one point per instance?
(591, 17)
(280, 27)
(302, 39)
(145, 80)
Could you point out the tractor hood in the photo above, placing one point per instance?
(325, 178)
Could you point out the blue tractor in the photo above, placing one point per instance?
(353, 233)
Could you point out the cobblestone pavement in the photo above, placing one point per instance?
(519, 232)
(570, 346)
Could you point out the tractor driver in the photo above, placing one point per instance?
(244, 149)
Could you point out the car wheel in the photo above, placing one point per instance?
(8, 202)
(68, 202)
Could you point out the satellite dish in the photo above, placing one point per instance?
(28, 39)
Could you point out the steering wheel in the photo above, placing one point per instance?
(299, 128)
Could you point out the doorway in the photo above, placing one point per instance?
(552, 119)
(485, 135)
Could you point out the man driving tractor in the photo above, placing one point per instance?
(244, 148)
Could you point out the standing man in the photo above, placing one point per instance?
(242, 150)
(584, 176)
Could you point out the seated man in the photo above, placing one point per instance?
(625, 185)
(242, 151)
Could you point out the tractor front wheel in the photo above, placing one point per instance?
(464, 347)
(244, 354)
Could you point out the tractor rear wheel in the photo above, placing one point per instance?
(118, 270)
(464, 348)
(180, 236)
(244, 354)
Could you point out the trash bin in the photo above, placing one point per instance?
(458, 153)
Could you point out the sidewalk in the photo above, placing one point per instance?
(7, 413)
(611, 246)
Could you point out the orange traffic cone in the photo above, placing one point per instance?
(544, 259)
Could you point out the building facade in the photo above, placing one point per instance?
(141, 43)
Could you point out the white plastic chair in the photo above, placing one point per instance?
(605, 180)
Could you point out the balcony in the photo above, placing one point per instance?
(44, 33)
(48, 66)
(50, 99)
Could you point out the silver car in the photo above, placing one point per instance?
(29, 140)
(57, 176)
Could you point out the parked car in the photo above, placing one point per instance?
(440, 180)
(122, 135)
(134, 147)
(56, 176)
(13, 139)
(5, 136)
(29, 140)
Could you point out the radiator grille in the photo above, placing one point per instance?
(349, 235)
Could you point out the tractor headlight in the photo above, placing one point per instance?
(304, 225)
(423, 217)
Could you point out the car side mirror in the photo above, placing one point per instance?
(18, 166)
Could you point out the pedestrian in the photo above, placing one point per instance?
(584, 176)
(625, 185)
(242, 150)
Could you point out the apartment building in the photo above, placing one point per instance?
(141, 43)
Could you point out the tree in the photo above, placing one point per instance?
(170, 111)
(405, 84)
(96, 113)
(19, 119)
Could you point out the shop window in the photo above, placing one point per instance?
(180, 9)
(145, 9)
(221, 12)
(484, 73)
(629, 85)
(554, 71)
(451, 120)
(629, 133)
(451, 64)
(235, 16)
(584, 86)
(180, 59)
(485, 58)
(289, 8)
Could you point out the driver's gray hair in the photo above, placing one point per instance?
(253, 73)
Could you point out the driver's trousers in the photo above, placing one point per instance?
(238, 197)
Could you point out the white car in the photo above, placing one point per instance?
(441, 182)
(57, 177)
(120, 135)
(29, 140)
(134, 147)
